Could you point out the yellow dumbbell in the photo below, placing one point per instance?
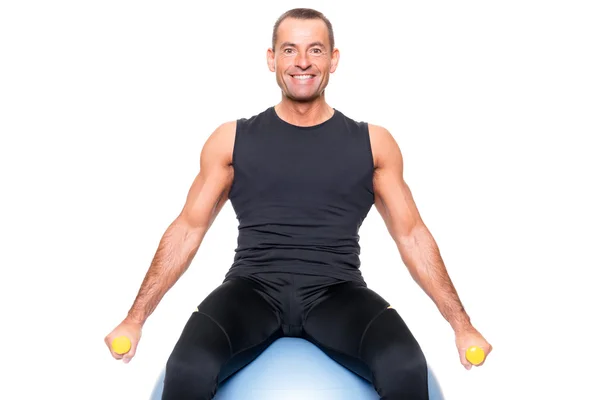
(475, 355)
(121, 345)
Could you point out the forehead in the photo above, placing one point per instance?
(302, 31)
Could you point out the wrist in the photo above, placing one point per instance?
(462, 325)
(134, 320)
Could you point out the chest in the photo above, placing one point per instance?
(296, 168)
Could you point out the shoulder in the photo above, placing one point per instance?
(384, 147)
(350, 123)
(256, 120)
(380, 134)
(218, 147)
(221, 142)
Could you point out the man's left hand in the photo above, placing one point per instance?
(469, 338)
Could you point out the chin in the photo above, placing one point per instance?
(303, 98)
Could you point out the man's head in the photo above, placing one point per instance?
(303, 53)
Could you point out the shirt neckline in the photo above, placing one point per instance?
(311, 127)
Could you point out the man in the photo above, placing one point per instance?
(301, 177)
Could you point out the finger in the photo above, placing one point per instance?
(463, 357)
(127, 357)
(131, 353)
(486, 352)
(108, 341)
(115, 355)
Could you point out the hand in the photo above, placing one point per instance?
(133, 331)
(468, 338)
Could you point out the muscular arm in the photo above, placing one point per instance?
(417, 247)
(181, 240)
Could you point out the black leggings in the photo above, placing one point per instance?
(243, 316)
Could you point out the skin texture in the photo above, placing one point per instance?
(181, 240)
(302, 48)
(417, 247)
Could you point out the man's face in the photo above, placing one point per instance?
(302, 58)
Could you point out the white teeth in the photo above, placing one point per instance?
(302, 76)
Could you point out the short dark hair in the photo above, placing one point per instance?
(303, 13)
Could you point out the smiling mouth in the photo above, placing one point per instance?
(303, 77)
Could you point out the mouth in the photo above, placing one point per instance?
(303, 77)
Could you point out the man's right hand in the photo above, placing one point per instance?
(133, 331)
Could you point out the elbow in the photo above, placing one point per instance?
(407, 245)
(408, 236)
(412, 243)
(410, 248)
(192, 231)
(195, 235)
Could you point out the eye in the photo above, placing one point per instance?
(317, 51)
(288, 50)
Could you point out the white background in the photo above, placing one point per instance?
(104, 108)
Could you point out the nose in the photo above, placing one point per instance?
(302, 61)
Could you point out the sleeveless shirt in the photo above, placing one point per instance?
(300, 195)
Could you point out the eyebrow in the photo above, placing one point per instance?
(290, 44)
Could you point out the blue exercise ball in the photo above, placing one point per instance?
(293, 368)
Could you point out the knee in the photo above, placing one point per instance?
(400, 372)
(388, 342)
(193, 367)
(397, 361)
(191, 375)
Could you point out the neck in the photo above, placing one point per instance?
(304, 114)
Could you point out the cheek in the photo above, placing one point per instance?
(324, 65)
(282, 64)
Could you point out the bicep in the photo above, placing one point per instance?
(209, 190)
(393, 197)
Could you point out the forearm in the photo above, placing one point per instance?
(421, 255)
(176, 250)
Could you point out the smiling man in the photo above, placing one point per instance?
(301, 177)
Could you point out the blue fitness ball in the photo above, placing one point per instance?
(294, 369)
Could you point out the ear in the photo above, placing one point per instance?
(271, 60)
(335, 58)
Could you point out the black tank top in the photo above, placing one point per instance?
(300, 195)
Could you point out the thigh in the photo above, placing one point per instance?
(249, 322)
(227, 331)
(338, 322)
(357, 327)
